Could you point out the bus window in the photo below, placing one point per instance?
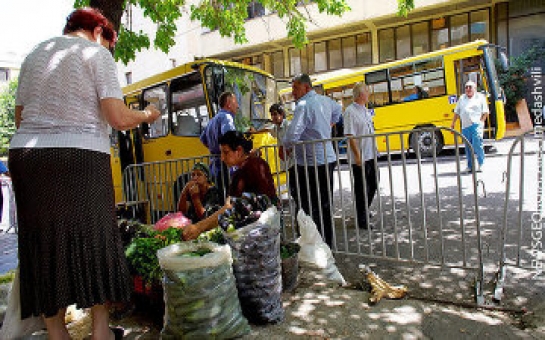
(378, 88)
(156, 96)
(187, 105)
(433, 83)
(255, 92)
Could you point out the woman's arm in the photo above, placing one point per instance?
(182, 201)
(18, 117)
(193, 231)
(120, 117)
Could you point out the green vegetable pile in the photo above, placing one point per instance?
(288, 250)
(141, 252)
(197, 253)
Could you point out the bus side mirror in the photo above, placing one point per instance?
(504, 62)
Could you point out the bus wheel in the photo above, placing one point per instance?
(423, 141)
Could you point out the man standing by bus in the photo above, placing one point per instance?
(222, 122)
(472, 109)
(313, 118)
(358, 121)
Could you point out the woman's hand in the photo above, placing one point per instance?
(151, 113)
(193, 189)
(190, 232)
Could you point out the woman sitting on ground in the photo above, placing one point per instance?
(253, 175)
(199, 196)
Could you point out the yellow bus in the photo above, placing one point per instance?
(442, 75)
(187, 96)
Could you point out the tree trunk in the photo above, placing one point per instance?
(525, 121)
(112, 9)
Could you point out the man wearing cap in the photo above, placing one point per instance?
(313, 118)
(472, 109)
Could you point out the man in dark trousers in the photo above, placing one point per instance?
(313, 118)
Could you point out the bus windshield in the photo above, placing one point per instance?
(255, 92)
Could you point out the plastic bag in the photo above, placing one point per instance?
(201, 300)
(13, 327)
(257, 268)
(315, 253)
(176, 220)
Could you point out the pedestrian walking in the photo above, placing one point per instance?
(70, 249)
(472, 110)
(358, 121)
(313, 118)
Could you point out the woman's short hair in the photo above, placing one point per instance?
(87, 19)
(277, 108)
(234, 139)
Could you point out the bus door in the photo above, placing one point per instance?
(473, 68)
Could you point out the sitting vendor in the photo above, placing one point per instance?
(253, 175)
(199, 196)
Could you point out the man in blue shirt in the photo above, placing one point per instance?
(313, 118)
(222, 122)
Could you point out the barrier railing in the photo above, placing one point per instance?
(521, 238)
(424, 210)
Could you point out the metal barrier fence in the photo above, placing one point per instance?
(521, 239)
(424, 211)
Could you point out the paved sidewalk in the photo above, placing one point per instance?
(8, 255)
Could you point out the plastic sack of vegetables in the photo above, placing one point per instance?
(176, 220)
(314, 252)
(200, 293)
(257, 264)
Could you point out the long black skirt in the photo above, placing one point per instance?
(70, 249)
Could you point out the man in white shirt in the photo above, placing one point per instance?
(472, 109)
(358, 121)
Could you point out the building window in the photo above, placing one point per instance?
(4, 75)
(501, 26)
(128, 77)
(439, 34)
(349, 51)
(298, 61)
(386, 45)
(335, 55)
(320, 57)
(479, 25)
(420, 41)
(459, 29)
(255, 10)
(403, 42)
(277, 63)
(364, 54)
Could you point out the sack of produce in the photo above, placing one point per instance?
(201, 300)
(252, 229)
(315, 253)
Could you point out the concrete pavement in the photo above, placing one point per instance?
(320, 310)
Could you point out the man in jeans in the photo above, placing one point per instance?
(472, 109)
(358, 121)
(313, 118)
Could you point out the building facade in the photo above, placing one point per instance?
(370, 33)
(10, 65)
